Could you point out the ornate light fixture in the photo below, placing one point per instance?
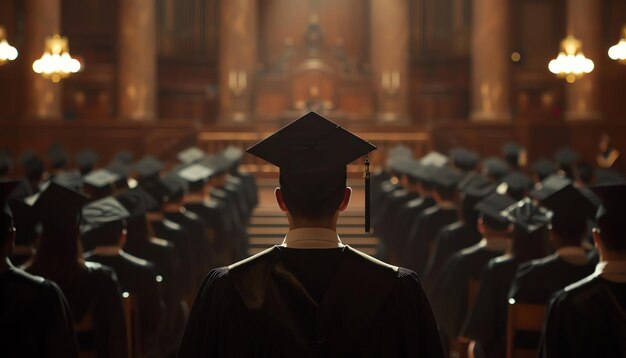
(617, 52)
(56, 62)
(7, 52)
(571, 63)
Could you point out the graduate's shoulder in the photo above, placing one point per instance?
(37, 286)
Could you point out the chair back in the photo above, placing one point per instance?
(85, 327)
(527, 318)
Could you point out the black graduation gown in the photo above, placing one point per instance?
(198, 240)
(394, 206)
(450, 294)
(311, 303)
(537, 280)
(451, 238)
(35, 318)
(486, 322)
(406, 218)
(186, 266)
(422, 236)
(137, 277)
(587, 319)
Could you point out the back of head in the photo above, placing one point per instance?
(530, 229)
(490, 209)
(610, 217)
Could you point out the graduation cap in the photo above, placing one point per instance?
(569, 204)
(57, 156)
(176, 187)
(232, 153)
(400, 151)
(423, 174)
(69, 179)
(121, 169)
(32, 164)
(137, 201)
(402, 165)
(515, 184)
(435, 159)
(543, 168)
(191, 155)
(59, 206)
(495, 168)
(86, 160)
(446, 179)
(124, 156)
(514, 154)
(148, 167)
(464, 159)
(5, 163)
(549, 186)
(104, 212)
(217, 164)
(195, 175)
(312, 154)
(24, 219)
(101, 178)
(566, 158)
(476, 188)
(527, 216)
(491, 206)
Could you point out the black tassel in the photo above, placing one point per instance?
(366, 176)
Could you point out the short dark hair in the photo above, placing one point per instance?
(493, 224)
(310, 206)
(571, 231)
(613, 231)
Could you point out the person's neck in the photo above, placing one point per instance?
(304, 223)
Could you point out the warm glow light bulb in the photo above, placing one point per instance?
(56, 63)
(571, 62)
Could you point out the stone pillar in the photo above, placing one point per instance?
(490, 70)
(137, 60)
(390, 57)
(238, 59)
(583, 21)
(43, 97)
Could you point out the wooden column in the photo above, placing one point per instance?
(389, 57)
(238, 58)
(583, 21)
(490, 88)
(43, 97)
(137, 60)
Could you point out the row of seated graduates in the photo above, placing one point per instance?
(442, 217)
(176, 228)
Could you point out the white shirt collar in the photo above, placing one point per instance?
(498, 244)
(312, 238)
(107, 251)
(614, 271)
(574, 255)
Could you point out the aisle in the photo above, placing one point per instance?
(268, 224)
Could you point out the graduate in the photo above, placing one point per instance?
(461, 234)
(105, 221)
(312, 295)
(424, 232)
(450, 294)
(587, 318)
(36, 320)
(91, 289)
(486, 321)
(536, 281)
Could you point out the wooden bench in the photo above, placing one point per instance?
(527, 318)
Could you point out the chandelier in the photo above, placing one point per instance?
(571, 63)
(617, 52)
(56, 62)
(7, 52)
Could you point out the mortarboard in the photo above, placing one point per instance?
(137, 201)
(464, 159)
(195, 175)
(33, 166)
(473, 191)
(549, 186)
(527, 216)
(512, 153)
(122, 170)
(402, 165)
(69, 179)
(86, 160)
(492, 205)
(233, 154)
(103, 212)
(101, 178)
(400, 151)
(312, 154)
(24, 219)
(424, 174)
(148, 167)
(515, 184)
(446, 178)
(217, 164)
(191, 155)
(566, 158)
(435, 159)
(124, 156)
(5, 163)
(176, 186)
(57, 156)
(569, 204)
(495, 168)
(543, 168)
(59, 206)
